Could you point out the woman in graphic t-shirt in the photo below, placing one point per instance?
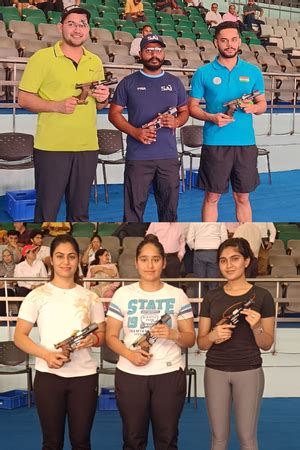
(64, 387)
(233, 373)
(150, 379)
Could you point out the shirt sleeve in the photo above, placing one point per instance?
(29, 309)
(33, 74)
(185, 311)
(114, 309)
(197, 84)
(268, 306)
(205, 307)
(259, 84)
(120, 96)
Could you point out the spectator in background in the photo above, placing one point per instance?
(168, 6)
(252, 234)
(90, 252)
(197, 4)
(42, 251)
(21, 4)
(232, 16)
(102, 267)
(23, 238)
(268, 236)
(213, 17)
(29, 267)
(7, 268)
(249, 11)
(134, 10)
(205, 239)
(133, 229)
(135, 44)
(171, 237)
(12, 245)
(56, 228)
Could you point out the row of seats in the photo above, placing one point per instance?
(286, 23)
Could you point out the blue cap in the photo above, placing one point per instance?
(152, 39)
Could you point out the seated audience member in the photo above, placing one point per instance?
(90, 252)
(249, 12)
(196, 4)
(135, 44)
(12, 245)
(213, 17)
(134, 10)
(42, 251)
(168, 6)
(67, 3)
(45, 6)
(232, 16)
(23, 238)
(30, 267)
(7, 267)
(101, 267)
(21, 4)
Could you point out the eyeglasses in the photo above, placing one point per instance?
(152, 50)
(82, 24)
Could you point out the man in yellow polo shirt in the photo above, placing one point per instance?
(134, 10)
(66, 144)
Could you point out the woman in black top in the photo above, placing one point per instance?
(233, 373)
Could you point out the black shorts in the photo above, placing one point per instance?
(220, 163)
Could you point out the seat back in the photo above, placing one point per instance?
(191, 136)
(15, 146)
(10, 355)
(110, 141)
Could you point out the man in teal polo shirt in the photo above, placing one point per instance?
(66, 144)
(229, 152)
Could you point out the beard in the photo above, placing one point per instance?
(152, 67)
(225, 55)
(73, 43)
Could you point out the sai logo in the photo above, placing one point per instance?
(217, 80)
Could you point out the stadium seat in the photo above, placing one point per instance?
(122, 37)
(16, 151)
(190, 137)
(102, 35)
(112, 244)
(110, 143)
(27, 47)
(186, 43)
(83, 229)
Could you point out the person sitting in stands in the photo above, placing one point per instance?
(23, 238)
(12, 245)
(7, 267)
(24, 4)
(168, 6)
(196, 4)
(135, 44)
(42, 251)
(232, 16)
(250, 11)
(102, 267)
(90, 252)
(29, 267)
(213, 17)
(134, 10)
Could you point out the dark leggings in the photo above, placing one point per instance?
(242, 389)
(156, 398)
(58, 398)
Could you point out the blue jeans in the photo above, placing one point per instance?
(206, 266)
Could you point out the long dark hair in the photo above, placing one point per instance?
(65, 239)
(98, 253)
(242, 246)
(150, 239)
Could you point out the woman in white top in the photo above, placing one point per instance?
(150, 383)
(30, 267)
(63, 386)
(89, 253)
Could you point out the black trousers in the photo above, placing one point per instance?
(138, 177)
(58, 398)
(156, 398)
(63, 173)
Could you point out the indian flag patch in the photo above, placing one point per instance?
(244, 79)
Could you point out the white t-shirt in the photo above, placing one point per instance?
(23, 269)
(135, 46)
(58, 313)
(43, 253)
(139, 310)
(211, 15)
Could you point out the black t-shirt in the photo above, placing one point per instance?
(241, 351)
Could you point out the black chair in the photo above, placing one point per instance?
(191, 373)
(110, 142)
(266, 153)
(10, 358)
(191, 137)
(107, 355)
(16, 151)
